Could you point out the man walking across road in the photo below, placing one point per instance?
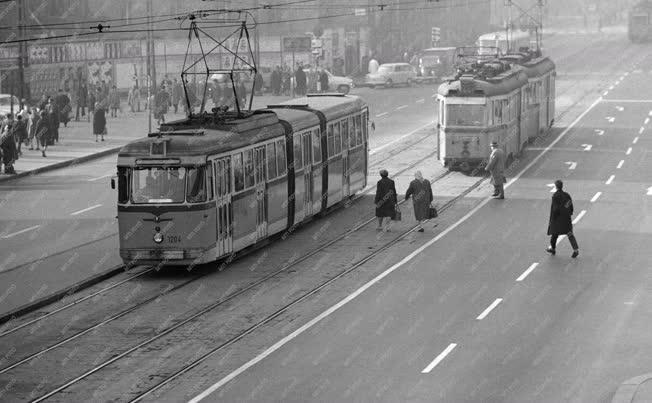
(560, 223)
(496, 166)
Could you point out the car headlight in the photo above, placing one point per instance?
(158, 237)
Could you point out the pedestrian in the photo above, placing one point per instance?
(53, 122)
(92, 99)
(114, 101)
(275, 81)
(496, 167)
(42, 103)
(323, 80)
(34, 117)
(20, 132)
(133, 99)
(560, 223)
(177, 94)
(42, 131)
(82, 95)
(99, 121)
(373, 65)
(421, 193)
(62, 102)
(258, 83)
(8, 144)
(161, 104)
(385, 199)
(300, 80)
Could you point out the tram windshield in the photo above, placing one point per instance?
(464, 115)
(167, 185)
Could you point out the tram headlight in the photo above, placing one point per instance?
(158, 237)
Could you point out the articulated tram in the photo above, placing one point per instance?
(509, 100)
(211, 185)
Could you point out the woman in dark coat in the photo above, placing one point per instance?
(385, 200)
(560, 223)
(53, 129)
(42, 131)
(99, 121)
(421, 193)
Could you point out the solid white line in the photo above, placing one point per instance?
(635, 140)
(629, 151)
(381, 114)
(20, 232)
(420, 101)
(387, 272)
(375, 150)
(489, 309)
(611, 179)
(595, 197)
(398, 108)
(100, 177)
(628, 101)
(640, 131)
(650, 113)
(620, 164)
(439, 358)
(86, 209)
(527, 272)
(579, 216)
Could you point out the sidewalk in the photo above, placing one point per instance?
(77, 143)
(635, 390)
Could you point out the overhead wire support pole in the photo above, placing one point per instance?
(22, 52)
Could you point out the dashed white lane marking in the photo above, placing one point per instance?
(604, 94)
(100, 177)
(647, 120)
(579, 217)
(595, 197)
(650, 113)
(398, 108)
(611, 88)
(620, 164)
(232, 375)
(380, 115)
(439, 358)
(527, 272)
(635, 140)
(20, 232)
(86, 209)
(489, 309)
(611, 179)
(610, 119)
(587, 147)
(375, 150)
(629, 151)
(599, 132)
(420, 101)
(640, 131)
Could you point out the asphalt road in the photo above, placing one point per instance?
(480, 312)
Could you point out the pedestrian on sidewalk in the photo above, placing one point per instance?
(82, 95)
(99, 121)
(92, 100)
(34, 117)
(161, 103)
(560, 223)
(421, 193)
(114, 101)
(53, 115)
(8, 144)
(385, 199)
(20, 133)
(133, 99)
(177, 94)
(323, 80)
(62, 102)
(496, 167)
(275, 81)
(42, 131)
(301, 80)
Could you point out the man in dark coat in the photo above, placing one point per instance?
(161, 104)
(275, 81)
(62, 102)
(496, 167)
(560, 223)
(82, 95)
(177, 94)
(385, 200)
(323, 81)
(301, 81)
(8, 144)
(53, 129)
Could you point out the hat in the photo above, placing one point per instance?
(494, 144)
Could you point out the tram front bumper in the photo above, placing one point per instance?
(165, 256)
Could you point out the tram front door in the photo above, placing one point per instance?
(306, 147)
(261, 193)
(224, 207)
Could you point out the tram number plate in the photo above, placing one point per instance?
(174, 238)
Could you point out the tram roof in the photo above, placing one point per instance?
(332, 106)
(534, 67)
(501, 84)
(199, 136)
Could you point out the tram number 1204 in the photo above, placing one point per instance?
(174, 238)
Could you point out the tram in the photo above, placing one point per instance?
(509, 100)
(206, 187)
(639, 27)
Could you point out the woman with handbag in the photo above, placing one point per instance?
(421, 193)
(385, 199)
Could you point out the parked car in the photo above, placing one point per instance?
(5, 104)
(389, 74)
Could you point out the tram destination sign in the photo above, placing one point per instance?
(297, 44)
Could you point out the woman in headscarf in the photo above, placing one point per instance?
(385, 200)
(421, 193)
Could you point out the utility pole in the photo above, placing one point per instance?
(539, 30)
(151, 46)
(22, 50)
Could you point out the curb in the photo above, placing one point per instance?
(627, 390)
(32, 306)
(62, 164)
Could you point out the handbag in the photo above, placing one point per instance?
(397, 214)
(432, 212)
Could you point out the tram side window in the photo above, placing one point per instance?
(337, 138)
(238, 172)
(345, 133)
(316, 146)
(498, 113)
(281, 161)
(298, 160)
(219, 176)
(249, 168)
(352, 142)
(209, 181)
(364, 126)
(331, 141)
(271, 161)
(123, 185)
(358, 130)
(196, 185)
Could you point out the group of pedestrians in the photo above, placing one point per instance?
(284, 81)
(386, 201)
